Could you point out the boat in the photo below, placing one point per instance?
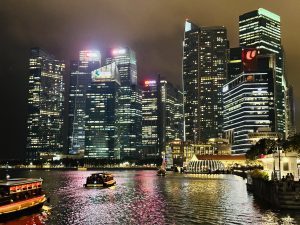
(19, 196)
(98, 180)
(162, 170)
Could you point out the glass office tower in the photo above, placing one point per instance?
(261, 29)
(249, 101)
(80, 80)
(45, 104)
(130, 102)
(204, 74)
(162, 116)
(101, 128)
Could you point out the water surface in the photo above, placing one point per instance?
(141, 197)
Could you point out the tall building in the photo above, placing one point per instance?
(162, 116)
(204, 74)
(249, 97)
(45, 104)
(130, 102)
(80, 80)
(172, 113)
(101, 128)
(291, 112)
(261, 29)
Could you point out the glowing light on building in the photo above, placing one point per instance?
(89, 55)
(150, 83)
(119, 51)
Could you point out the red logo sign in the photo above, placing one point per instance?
(249, 55)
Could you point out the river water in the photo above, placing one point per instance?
(141, 197)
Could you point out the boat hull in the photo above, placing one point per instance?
(21, 208)
(104, 185)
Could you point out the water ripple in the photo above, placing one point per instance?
(140, 197)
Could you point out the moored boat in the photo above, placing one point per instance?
(162, 170)
(19, 196)
(98, 180)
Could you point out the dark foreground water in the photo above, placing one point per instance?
(141, 197)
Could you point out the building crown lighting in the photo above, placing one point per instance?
(269, 14)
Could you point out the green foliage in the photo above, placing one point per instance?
(292, 144)
(263, 146)
(259, 174)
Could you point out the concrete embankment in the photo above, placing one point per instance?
(281, 195)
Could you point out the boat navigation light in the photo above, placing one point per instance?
(7, 176)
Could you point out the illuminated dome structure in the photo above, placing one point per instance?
(204, 166)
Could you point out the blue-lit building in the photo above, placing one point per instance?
(45, 105)
(204, 74)
(80, 81)
(101, 128)
(130, 102)
(249, 97)
(261, 29)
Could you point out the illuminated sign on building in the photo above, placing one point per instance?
(119, 51)
(104, 73)
(89, 56)
(249, 58)
(150, 83)
(249, 55)
(98, 74)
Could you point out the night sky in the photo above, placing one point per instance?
(153, 28)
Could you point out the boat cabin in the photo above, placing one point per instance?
(99, 178)
(14, 190)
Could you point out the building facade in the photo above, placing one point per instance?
(261, 29)
(45, 104)
(249, 98)
(130, 102)
(101, 128)
(204, 73)
(162, 116)
(80, 81)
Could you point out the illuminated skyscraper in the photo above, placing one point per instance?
(162, 116)
(101, 129)
(204, 73)
(249, 102)
(172, 113)
(45, 104)
(291, 112)
(130, 102)
(261, 29)
(80, 80)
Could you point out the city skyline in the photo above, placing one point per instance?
(13, 64)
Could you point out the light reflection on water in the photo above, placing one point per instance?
(141, 197)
